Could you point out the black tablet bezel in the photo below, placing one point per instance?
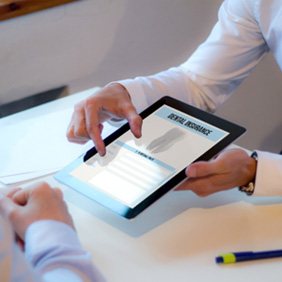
(65, 177)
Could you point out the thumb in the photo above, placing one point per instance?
(203, 169)
(21, 197)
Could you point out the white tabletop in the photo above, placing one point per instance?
(178, 237)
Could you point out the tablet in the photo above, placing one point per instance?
(134, 173)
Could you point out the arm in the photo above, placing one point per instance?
(234, 47)
(13, 266)
(218, 66)
(40, 218)
(53, 249)
(112, 101)
(232, 168)
(206, 80)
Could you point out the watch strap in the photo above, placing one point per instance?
(250, 187)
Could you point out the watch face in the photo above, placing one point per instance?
(249, 189)
(254, 155)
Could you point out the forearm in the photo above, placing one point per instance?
(54, 251)
(218, 66)
(178, 82)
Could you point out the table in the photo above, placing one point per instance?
(178, 237)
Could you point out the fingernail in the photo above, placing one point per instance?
(191, 172)
(102, 153)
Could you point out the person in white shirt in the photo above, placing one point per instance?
(37, 238)
(246, 30)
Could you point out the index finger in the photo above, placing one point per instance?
(135, 122)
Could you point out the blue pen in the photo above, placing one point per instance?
(247, 256)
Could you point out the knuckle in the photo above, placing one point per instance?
(43, 187)
(79, 131)
(70, 133)
(12, 215)
(79, 106)
(90, 129)
(70, 137)
(58, 192)
(201, 190)
(90, 102)
(138, 119)
(203, 194)
(77, 134)
(135, 118)
(87, 103)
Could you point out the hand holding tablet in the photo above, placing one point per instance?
(136, 172)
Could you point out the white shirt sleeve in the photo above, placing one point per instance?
(269, 175)
(215, 69)
(54, 251)
(13, 265)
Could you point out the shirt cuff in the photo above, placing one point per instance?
(44, 235)
(268, 175)
(136, 93)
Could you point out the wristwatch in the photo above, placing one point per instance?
(250, 187)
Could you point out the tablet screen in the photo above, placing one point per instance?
(132, 168)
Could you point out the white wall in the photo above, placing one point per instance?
(92, 42)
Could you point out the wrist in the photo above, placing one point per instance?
(117, 88)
